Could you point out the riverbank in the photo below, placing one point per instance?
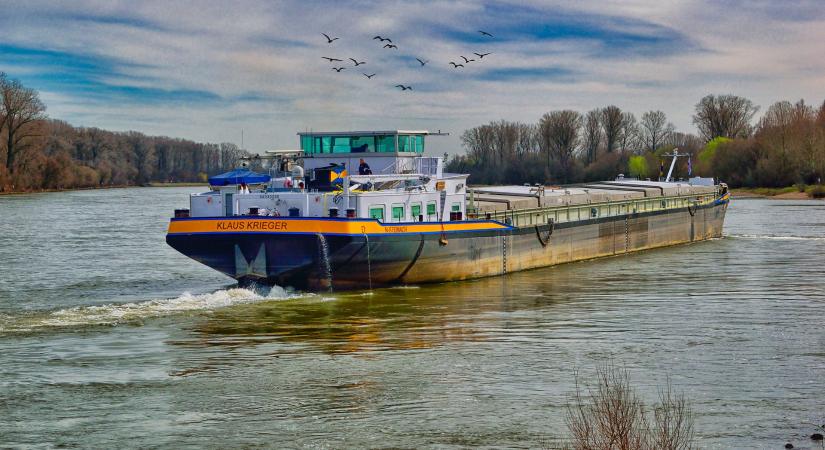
(786, 193)
(154, 184)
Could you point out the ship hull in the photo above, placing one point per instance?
(312, 256)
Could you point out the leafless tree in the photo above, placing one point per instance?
(592, 134)
(559, 136)
(611, 120)
(629, 136)
(610, 416)
(724, 115)
(655, 129)
(20, 111)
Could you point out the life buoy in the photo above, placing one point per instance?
(287, 183)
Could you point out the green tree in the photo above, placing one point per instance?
(637, 167)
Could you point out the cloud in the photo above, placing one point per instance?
(206, 70)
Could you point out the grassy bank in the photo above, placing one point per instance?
(791, 192)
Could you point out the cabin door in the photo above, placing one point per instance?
(227, 205)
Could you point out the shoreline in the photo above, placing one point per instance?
(122, 186)
(789, 193)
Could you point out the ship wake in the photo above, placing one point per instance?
(125, 313)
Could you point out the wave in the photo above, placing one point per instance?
(114, 314)
(774, 237)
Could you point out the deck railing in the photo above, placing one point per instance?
(569, 213)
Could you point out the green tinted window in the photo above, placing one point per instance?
(322, 145)
(363, 144)
(419, 143)
(306, 144)
(385, 144)
(415, 211)
(456, 207)
(404, 143)
(341, 144)
(377, 212)
(398, 213)
(430, 209)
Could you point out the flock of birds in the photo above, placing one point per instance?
(389, 45)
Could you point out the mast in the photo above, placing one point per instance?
(675, 155)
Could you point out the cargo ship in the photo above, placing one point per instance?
(363, 209)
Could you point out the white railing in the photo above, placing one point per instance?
(429, 165)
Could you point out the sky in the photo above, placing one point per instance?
(216, 71)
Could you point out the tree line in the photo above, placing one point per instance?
(785, 146)
(38, 153)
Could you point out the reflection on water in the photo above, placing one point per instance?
(100, 353)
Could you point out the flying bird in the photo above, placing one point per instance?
(356, 62)
(456, 66)
(482, 55)
(466, 60)
(404, 88)
(484, 33)
(329, 39)
(331, 59)
(391, 46)
(382, 39)
(421, 62)
(368, 76)
(338, 69)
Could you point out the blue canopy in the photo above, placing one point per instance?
(238, 176)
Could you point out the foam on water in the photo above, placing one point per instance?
(113, 314)
(776, 238)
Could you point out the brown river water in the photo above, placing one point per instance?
(109, 337)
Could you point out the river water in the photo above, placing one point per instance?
(109, 337)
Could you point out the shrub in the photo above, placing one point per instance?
(817, 191)
(612, 416)
(637, 167)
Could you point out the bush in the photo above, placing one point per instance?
(800, 187)
(817, 191)
(612, 416)
(637, 167)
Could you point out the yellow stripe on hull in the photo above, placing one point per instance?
(353, 227)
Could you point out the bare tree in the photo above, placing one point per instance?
(559, 137)
(611, 120)
(656, 130)
(592, 134)
(629, 137)
(20, 110)
(613, 417)
(724, 116)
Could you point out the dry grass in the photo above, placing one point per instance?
(609, 415)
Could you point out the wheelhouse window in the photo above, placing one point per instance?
(385, 144)
(377, 212)
(320, 144)
(404, 143)
(418, 143)
(456, 207)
